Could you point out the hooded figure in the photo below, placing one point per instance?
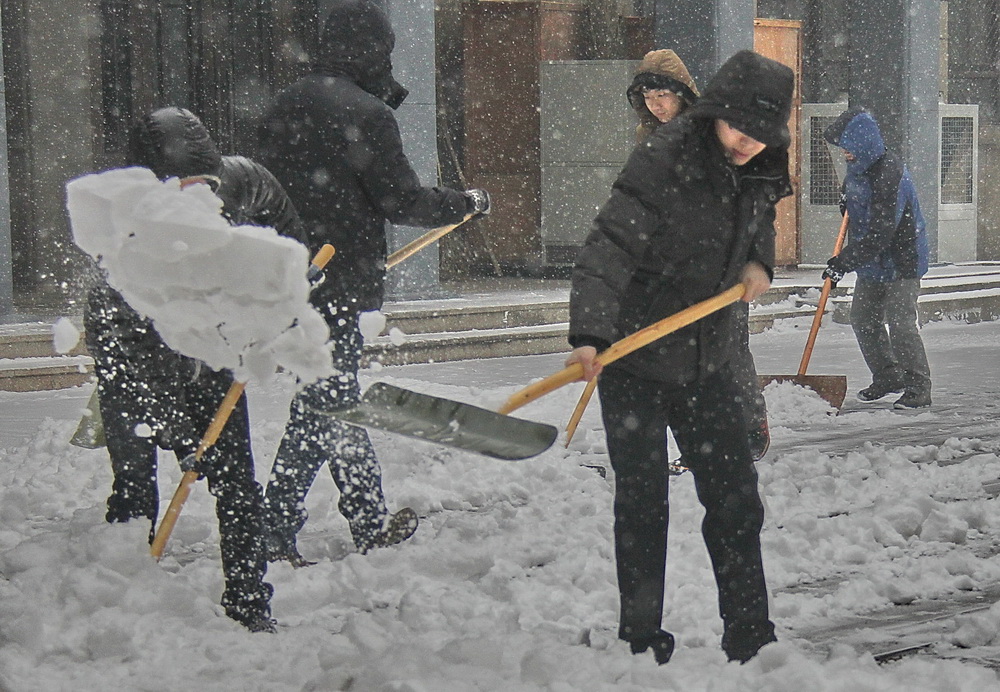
(332, 140)
(664, 83)
(690, 215)
(887, 247)
(142, 381)
(660, 70)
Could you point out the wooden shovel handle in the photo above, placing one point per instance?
(622, 348)
(215, 427)
(423, 241)
(581, 406)
(821, 306)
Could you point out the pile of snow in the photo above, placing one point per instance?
(234, 297)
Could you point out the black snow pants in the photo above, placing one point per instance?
(312, 439)
(238, 496)
(709, 426)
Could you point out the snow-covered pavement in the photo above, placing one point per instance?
(509, 582)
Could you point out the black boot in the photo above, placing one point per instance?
(760, 440)
(400, 526)
(913, 398)
(661, 642)
(742, 641)
(880, 388)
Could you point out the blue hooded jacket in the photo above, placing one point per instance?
(887, 239)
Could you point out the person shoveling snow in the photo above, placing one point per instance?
(186, 302)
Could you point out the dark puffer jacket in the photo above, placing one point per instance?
(679, 227)
(137, 367)
(887, 239)
(333, 142)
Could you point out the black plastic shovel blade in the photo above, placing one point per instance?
(447, 422)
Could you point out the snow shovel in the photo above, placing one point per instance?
(832, 388)
(621, 348)
(447, 422)
(90, 432)
(218, 422)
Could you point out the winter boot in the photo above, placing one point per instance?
(741, 642)
(881, 386)
(661, 642)
(400, 526)
(913, 398)
(760, 440)
(253, 611)
(281, 546)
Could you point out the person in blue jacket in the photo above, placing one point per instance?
(887, 247)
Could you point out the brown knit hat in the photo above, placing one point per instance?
(661, 69)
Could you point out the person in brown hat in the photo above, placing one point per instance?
(690, 215)
(661, 90)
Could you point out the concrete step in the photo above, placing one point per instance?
(39, 374)
(522, 319)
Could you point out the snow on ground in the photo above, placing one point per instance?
(509, 583)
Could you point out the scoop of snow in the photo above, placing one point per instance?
(234, 297)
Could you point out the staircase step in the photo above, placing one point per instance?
(466, 345)
(424, 320)
(44, 373)
(33, 340)
(532, 319)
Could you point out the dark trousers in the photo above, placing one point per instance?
(884, 318)
(708, 424)
(238, 496)
(312, 439)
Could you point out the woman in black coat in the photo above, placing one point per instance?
(143, 382)
(332, 140)
(690, 215)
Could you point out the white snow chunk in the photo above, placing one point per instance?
(65, 335)
(371, 324)
(234, 297)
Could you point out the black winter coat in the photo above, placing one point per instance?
(679, 227)
(136, 367)
(333, 142)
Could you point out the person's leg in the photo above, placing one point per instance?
(134, 490)
(868, 319)
(635, 428)
(238, 506)
(708, 426)
(312, 438)
(907, 346)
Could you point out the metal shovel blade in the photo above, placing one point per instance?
(447, 422)
(831, 388)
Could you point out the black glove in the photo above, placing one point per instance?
(477, 201)
(833, 273)
(191, 463)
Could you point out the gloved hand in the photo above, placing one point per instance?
(477, 202)
(833, 273)
(192, 463)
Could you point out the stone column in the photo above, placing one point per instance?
(893, 65)
(6, 258)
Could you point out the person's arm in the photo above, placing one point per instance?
(252, 195)
(391, 183)
(881, 220)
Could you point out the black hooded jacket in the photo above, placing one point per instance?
(332, 140)
(136, 366)
(679, 227)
